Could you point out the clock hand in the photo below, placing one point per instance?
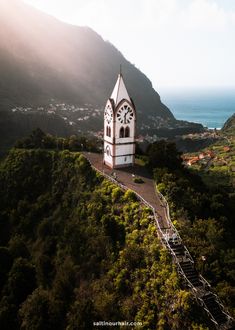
(125, 117)
(125, 114)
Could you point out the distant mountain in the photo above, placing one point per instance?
(43, 58)
(229, 126)
(44, 61)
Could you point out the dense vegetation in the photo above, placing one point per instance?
(15, 126)
(75, 249)
(204, 214)
(38, 139)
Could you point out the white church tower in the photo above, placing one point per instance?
(119, 128)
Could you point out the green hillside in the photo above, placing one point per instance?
(202, 205)
(229, 126)
(76, 249)
(216, 163)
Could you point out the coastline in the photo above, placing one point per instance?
(211, 107)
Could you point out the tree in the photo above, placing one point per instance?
(35, 312)
(164, 154)
(35, 140)
(82, 315)
(5, 265)
(21, 280)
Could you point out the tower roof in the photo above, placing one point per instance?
(120, 92)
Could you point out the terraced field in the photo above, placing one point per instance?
(220, 168)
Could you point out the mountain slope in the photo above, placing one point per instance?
(58, 77)
(229, 126)
(43, 58)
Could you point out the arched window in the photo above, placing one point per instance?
(121, 133)
(108, 150)
(127, 131)
(108, 131)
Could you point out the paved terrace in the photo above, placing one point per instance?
(125, 176)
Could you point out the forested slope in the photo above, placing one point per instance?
(204, 215)
(76, 249)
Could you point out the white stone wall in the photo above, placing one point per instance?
(126, 149)
(124, 160)
(107, 138)
(108, 157)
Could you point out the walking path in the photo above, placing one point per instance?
(168, 234)
(125, 177)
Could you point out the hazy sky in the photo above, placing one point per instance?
(174, 42)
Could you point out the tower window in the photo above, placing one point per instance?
(127, 131)
(107, 150)
(108, 131)
(121, 133)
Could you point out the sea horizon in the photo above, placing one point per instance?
(210, 107)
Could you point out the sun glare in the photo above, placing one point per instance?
(74, 12)
(190, 30)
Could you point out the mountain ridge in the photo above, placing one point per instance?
(51, 67)
(73, 60)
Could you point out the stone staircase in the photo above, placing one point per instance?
(214, 308)
(199, 286)
(191, 274)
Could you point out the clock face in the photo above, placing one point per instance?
(125, 114)
(108, 114)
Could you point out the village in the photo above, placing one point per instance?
(217, 159)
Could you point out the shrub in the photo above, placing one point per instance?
(138, 180)
(130, 196)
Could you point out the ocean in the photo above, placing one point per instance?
(209, 107)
